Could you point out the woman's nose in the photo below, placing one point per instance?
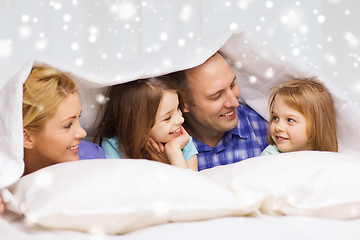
(81, 133)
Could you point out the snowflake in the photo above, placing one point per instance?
(244, 4)
(25, 18)
(79, 62)
(252, 79)
(330, 58)
(185, 13)
(67, 18)
(352, 40)
(124, 11)
(269, 73)
(25, 31)
(181, 42)
(321, 18)
(74, 46)
(6, 48)
(41, 44)
(269, 4)
(163, 36)
(233, 26)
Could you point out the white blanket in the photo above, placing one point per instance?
(257, 68)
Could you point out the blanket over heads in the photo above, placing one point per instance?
(257, 67)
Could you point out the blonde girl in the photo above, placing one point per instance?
(302, 118)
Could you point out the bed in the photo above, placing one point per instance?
(300, 195)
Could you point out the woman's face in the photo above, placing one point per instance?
(59, 140)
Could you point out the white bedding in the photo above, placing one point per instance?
(246, 60)
(229, 228)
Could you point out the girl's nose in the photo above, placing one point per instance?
(279, 127)
(179, 118)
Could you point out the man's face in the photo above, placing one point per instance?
(215, 97)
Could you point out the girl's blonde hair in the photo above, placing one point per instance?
(131, 111)
(43, 91)
(312, 99)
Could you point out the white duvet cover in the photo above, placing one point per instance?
(317, 191)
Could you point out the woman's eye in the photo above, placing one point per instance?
(69, 125)
(290, 120)
(215, 97)
(167, 119)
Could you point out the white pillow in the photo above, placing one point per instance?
(117, 196)
(309, 183)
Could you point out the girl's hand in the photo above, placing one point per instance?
(2, 207)
(173, 149)
(180, 141)
(156, 151)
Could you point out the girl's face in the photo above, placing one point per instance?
(288, 128)
(168, 119)
(58, 141)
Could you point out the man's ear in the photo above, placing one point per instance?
(28, 139)
(185, 108)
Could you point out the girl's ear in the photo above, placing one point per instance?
(28, 139)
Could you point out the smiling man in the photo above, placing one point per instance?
(224, 130)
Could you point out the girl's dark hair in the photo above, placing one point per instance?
(130, 113)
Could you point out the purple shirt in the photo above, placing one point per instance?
(89, 150)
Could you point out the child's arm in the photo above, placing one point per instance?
(193, 163)
(171, 153)
(175, 155)
(2, 207)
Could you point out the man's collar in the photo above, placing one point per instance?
(242, 127)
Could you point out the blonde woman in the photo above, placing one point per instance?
(51, 112)
(51, 127)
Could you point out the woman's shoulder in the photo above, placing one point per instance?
(90, 150)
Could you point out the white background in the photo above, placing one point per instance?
(97, 36)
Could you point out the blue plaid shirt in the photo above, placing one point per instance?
(248, 139)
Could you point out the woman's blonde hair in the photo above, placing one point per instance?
(43, 91)
(312, 99)
(130, 113)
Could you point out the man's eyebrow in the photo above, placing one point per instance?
(221, 90)
(216, 93)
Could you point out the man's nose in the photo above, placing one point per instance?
(232, 100)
